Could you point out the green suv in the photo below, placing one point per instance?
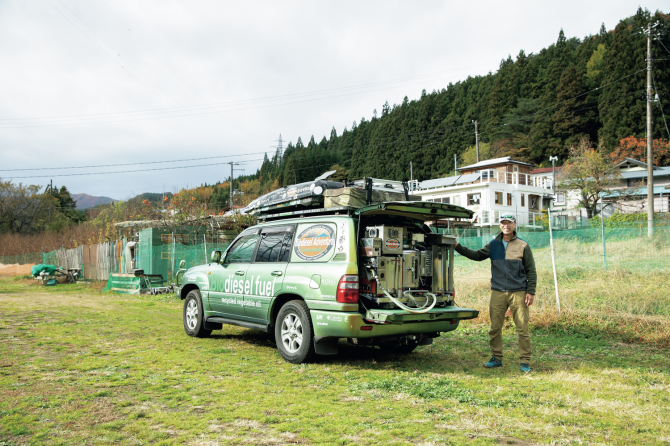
(376, 276)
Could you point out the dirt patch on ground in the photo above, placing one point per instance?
(34, 298)
(243, 431)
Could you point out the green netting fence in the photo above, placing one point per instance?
(22, 259)
(164, 260)
(626, 245)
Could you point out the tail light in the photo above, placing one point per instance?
(347, 289)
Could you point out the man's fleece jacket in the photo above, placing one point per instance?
(512, 269)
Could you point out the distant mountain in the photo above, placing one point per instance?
(86, 201)
(152, 197)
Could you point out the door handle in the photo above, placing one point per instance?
(276, 273)
(239, 273)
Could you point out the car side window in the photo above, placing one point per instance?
(275, 245)
(243, 249)
(269, 247)
(287, 243)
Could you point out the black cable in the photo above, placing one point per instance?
(131, 164)
(653, 79)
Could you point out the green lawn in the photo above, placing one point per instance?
(82, 367)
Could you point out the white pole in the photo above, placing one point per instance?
(204, 237)
(173, 254)
(553, 262)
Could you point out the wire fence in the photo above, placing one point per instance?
(623, 245)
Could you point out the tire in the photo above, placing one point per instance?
(193, 316)
(294, 333)
(399, 349)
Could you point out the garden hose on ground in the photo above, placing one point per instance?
(400, 304)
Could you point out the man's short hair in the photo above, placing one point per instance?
(509, 217)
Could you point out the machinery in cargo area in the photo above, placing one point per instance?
(405, 267)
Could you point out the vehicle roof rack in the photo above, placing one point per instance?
(340, 210)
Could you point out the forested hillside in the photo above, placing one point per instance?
(534, 106)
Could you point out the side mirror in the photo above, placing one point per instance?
(182, 264)
(216, 256)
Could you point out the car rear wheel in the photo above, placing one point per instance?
(294, 333)
(194, 323)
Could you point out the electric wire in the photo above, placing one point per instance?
(660, 105)
(293, 156)
(118, 54)
(661, 42)
(132, 164)
(198, 107)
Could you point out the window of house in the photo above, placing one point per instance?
(499, 198)
(474, 199)
(516, 168)
(523, 200)
(509, 199)
(457, 200)
(560, 197)
(446, 200)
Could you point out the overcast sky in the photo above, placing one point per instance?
(99, 82)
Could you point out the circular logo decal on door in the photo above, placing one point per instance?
(314, 242)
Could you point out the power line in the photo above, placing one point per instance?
(130, 164)
(119, 55)
(209, 106)
(660, 105)
(170, 113)
(130, 171)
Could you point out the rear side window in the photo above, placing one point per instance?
(275, 244)
(243, 249)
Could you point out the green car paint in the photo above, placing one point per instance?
(304, 259)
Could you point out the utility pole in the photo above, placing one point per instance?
(455, 164)
(477, 138)
(650, 138)
(411, 173)
(231, 184)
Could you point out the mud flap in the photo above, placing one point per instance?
(324, 345)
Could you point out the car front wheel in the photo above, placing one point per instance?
(294, 333)
(194, 323)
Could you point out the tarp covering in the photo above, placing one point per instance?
(293, 192)
(356, 198)
(37, 269)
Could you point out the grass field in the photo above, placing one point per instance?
(82, 367)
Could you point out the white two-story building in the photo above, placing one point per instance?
(491, 188)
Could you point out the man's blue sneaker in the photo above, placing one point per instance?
(493, 362)
(525, 367)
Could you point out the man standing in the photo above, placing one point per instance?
(513, 281)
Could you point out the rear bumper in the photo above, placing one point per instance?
(395, 322)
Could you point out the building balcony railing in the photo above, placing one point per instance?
(523, 179)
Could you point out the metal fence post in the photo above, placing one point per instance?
(602, 227)
(553, 262)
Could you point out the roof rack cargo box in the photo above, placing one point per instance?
(357, 197)
(297, 195)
